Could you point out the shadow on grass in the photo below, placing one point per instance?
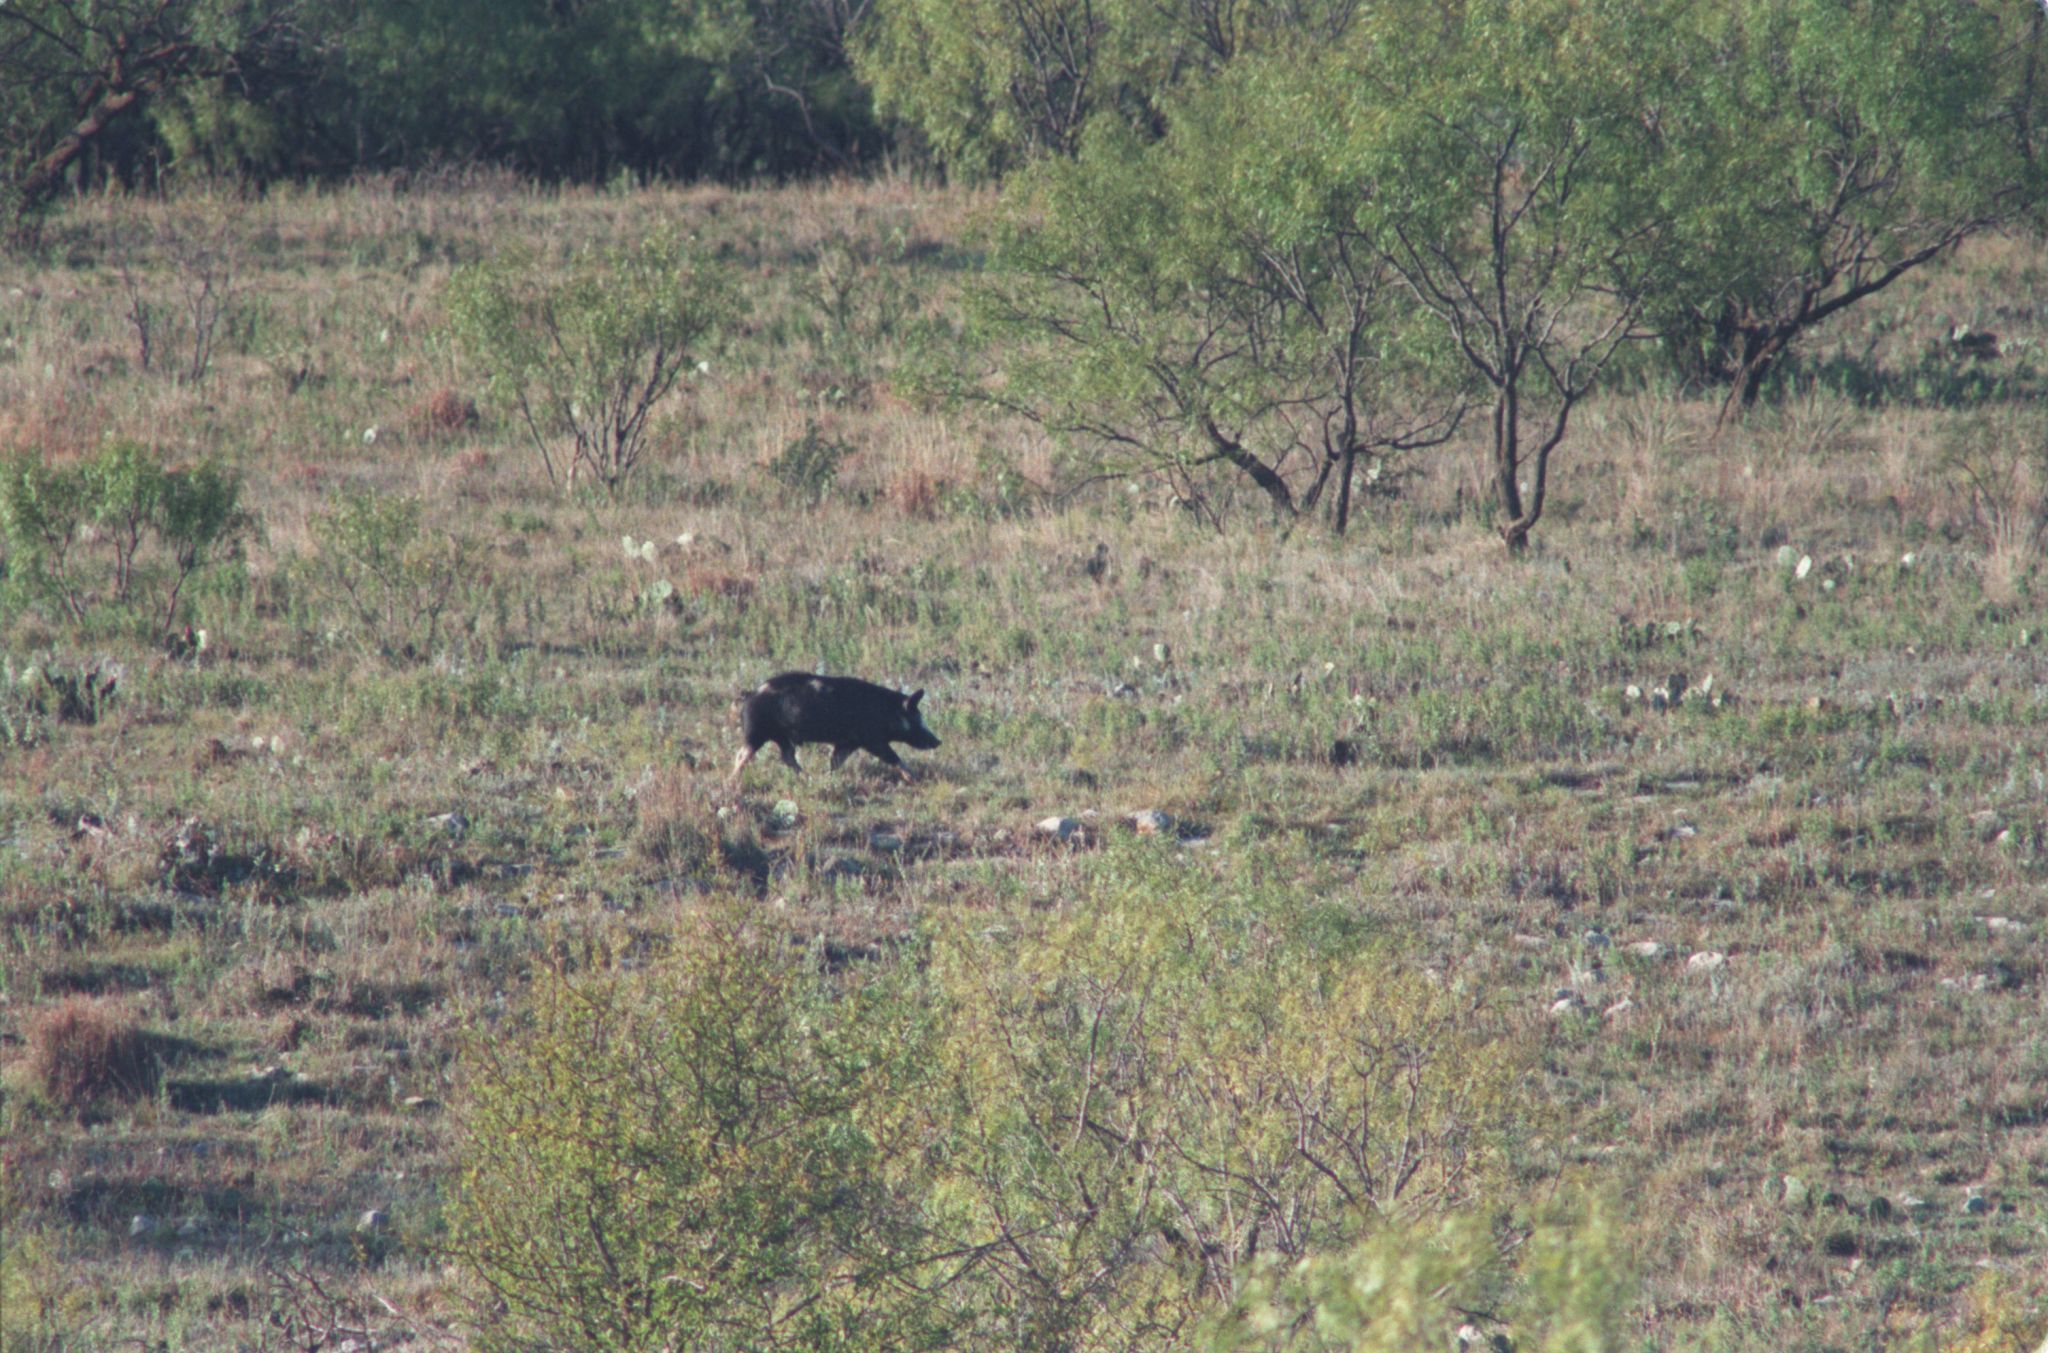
(242, 1094)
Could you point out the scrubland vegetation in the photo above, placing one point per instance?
(397, 874)
(1321, 926)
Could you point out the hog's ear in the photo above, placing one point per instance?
(915, 696)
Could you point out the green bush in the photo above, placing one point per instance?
(1177, 1075)
(699, 1155)
(1561, 1285)
(119, 527)
(808, 467)
(583, 353)
(388, 583)
(1083, 1128)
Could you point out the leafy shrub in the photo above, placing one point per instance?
(1178, 1075)
(1563, 1285)
(809, 465)
(394, 585)
(699, 1155)
(1083, 1134)
(1999, 1319)
(82, 1050)
(584, 353)
(118, 527)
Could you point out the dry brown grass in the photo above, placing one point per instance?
(82, 1050)
(1871, 1035)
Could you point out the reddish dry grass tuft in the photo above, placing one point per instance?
(717, 582)
(444, 413)
(60, 427)
(81, 1050)
(916, 493)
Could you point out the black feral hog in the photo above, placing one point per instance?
(851, 714)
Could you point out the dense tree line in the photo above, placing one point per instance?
(1342, 244)
(1276, 240)
(127, 90)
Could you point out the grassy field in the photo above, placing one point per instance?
(1780, 945)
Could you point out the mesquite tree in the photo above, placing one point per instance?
(73, 73)
(1832, 149)
(1218, 301)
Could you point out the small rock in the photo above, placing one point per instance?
(372, 1220)
(416, 1102)
(1059, 828)
(1597, 939)
(1618, 1009)
(1908, 559)
(1647, 949)
(1123, 690)
(1787, 556)
(1162, 653)
(1151, 822)
(886, 842)
(1660, 698)
(1633, 691)
(1805, 566)
(1707, 960)
(141, 1224)
(1909, 1202)
(2003, 925)
(783, 816)
(1795, 1191)
(1528, 941)
(1562, 1008)
(1976, 1205)
(455, 824)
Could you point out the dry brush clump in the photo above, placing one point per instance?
(84, 1050)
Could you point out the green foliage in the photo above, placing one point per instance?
(682, 88)
(1561, 1285)
(1176, 1075)
(1218, 308)
(74, 78)
(990, 84)
(809, 465)
(2003, 1317)
(35, 1290)
(701, 1154)
(120, 527)
(1081, 1134)
(1828, 151)
(583, 353)
(277, 88)
(386, 581)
